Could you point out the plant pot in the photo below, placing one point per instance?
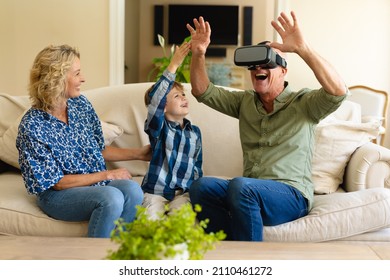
(181, 250)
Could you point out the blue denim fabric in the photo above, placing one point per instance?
(101, 205)
(242, 206)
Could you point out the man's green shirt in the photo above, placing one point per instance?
(277, 145)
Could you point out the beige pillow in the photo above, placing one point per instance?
(111, 132)
(335, 141)
(9, 154)
(11, 107)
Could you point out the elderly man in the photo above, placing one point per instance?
(277, 133)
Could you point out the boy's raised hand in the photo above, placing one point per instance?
(178, 57)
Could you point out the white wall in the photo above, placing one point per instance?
(354, 35)
(28, 26)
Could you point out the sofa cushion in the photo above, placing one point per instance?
(110, 132)
(20, 214)
(335, 216)
(335, 141)
(336, 138)
(8, 151)
(10, 109)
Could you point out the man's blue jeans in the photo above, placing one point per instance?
(242, 206)
(101, 205)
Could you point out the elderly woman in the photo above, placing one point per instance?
(62, 153)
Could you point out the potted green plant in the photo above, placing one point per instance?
(161, 63)
(174, 236)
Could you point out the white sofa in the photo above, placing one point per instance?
(357, 210)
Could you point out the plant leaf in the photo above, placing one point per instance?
(173, 49)
(161, 40)
(187, 39)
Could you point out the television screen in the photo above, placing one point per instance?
(223, 21)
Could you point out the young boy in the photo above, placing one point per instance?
(176, 143)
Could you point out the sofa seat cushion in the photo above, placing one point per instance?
(335, 216)
(20, 214)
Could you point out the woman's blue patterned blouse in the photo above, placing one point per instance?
(49, 148)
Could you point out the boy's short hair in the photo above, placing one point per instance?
(147, 98)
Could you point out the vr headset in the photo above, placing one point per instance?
(258, 56)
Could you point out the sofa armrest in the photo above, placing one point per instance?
(369, 167)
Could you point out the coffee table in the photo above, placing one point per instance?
(60, 248)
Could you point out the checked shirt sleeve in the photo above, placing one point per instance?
(158, 99)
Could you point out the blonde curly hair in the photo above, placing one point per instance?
(48, 76)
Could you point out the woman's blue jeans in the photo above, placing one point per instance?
(242, 206)
(101, 205)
